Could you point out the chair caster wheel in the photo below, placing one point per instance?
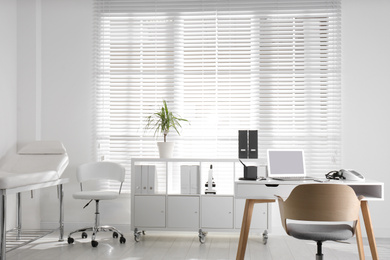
(70, 240)
(137, 234)
(265, 237)
(115, 235)
(202, 236)
(94, 243)
(84, 235)
(122, 240)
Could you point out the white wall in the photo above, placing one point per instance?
(29, 97)
(8, 78)
(366, 92)
(8, 85)
(66, 94)
(66, 66)
(55, 102)
(29, 75)
(66, 78)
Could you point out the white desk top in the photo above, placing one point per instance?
(272, 181)
(265, 189)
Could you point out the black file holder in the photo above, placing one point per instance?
(252, 151)
(247, 144)
(242, 144)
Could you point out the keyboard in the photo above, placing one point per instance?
(306, 178)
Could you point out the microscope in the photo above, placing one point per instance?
(210, 184)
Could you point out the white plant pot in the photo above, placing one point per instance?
(165, 149)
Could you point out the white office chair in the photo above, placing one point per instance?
(322, 204)
(93, 172)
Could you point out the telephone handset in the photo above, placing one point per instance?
(350, 175)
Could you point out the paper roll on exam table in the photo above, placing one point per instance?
(37, 165)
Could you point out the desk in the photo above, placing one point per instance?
(264, 191)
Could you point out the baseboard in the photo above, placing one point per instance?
(379, 232)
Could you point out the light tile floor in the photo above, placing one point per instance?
(178, 245)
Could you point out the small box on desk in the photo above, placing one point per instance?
(250, 172)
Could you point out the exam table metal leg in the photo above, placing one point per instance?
(61, 197)
(3, 224)
(19, 215)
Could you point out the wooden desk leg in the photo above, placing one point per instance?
(246, 223)
(359, 240)
(369, 229)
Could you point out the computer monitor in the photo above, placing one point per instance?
(286, 163)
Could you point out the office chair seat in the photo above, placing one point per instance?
(96, 195)
(320, 232)
(320, 212)
(96, 172)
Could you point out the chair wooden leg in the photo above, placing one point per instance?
(369, 229)
(359, 240)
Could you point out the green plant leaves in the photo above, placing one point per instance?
(163, 120)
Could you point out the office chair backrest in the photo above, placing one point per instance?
(320, 202)
(100, 171)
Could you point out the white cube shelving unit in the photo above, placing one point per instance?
(164, 207)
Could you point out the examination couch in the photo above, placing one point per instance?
(36, 165)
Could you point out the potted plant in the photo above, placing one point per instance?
(162, 122)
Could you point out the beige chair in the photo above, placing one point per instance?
(332, 209)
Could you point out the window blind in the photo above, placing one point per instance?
(224, 65)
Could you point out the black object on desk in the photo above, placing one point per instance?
(242, 144)
(250, 172)
(247, 144)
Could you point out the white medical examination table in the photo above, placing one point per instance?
(37, 165)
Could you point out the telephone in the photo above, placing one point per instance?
(343, 174)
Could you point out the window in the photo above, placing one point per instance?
(224, 65)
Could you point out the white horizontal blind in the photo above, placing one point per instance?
(224, 65)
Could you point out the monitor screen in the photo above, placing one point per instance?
(283, 163)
